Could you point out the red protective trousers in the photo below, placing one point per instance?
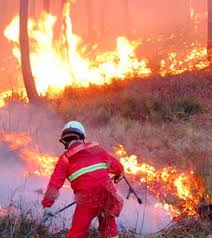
(82, 218)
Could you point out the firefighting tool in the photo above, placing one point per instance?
(46, 218)
(117, 179)
(70, 131)
(132, 191)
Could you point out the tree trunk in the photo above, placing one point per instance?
(209, 30)
(46, 5)
(25, 57)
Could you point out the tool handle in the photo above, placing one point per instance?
(45, 219)
(31, 232)
(62, 209)
(131, 190)
(129, 193)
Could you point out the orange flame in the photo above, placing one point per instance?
(179, 191)
(37, 163)
(60, 63)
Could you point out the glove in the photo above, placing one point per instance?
(47, 212)
(118, 178)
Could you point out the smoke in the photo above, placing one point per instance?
(43, 126)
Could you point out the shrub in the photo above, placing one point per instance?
(156, 109)
(186, 105)
(131, 107)
(101, 114)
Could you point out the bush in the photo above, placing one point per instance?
(131, 107)
(152, 100)
(17, 227)
(101, 115)
(156, 109)
(186, 105)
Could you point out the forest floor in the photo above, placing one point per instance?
(167, 120)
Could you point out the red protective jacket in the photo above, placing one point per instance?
(87, 167)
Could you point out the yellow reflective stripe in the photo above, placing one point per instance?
(115, 236)
(85, 170)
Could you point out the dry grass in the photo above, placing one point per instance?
(167, 121)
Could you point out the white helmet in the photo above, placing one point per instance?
(72, 129)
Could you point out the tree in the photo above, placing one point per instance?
(46, 5)
(25, 54)
(33, 8)
(209, 30)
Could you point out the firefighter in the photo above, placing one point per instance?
(87, 166)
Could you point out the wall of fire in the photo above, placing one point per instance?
(102, 21)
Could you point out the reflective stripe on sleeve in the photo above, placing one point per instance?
(87, 169)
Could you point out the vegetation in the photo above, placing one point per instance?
(155, 100)
(18, 226)
(165, 120)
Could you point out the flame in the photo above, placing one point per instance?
(12, 93)
(37, 163)
(65, 62)
(179, 191)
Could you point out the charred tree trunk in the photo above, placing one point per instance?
(46, 5)
(25, 54)
(209, 30)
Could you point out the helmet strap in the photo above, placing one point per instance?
(67, 143)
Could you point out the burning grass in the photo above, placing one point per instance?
(165, 122)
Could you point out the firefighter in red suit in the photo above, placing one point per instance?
(87, 167)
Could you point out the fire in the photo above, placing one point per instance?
(179, 191)
(65, 62)
(37, 163)
(11, 94)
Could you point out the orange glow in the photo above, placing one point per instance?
(179, 191)
(9, 94)
(64, 62)
(3, 211)
(37, 163)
